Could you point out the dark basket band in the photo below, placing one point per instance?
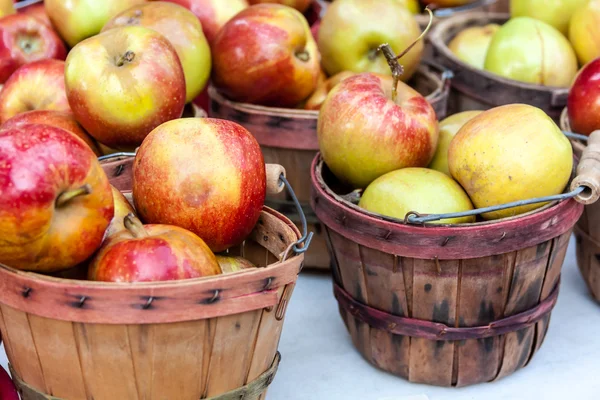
(251, 391)
(437, 331)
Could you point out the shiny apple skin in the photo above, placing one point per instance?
(583, 102)
(363, 134)
(120, 105)
(37, 164)
(181, 27)
(300, 5)
(122, 208)
(39, 85)
(24, 39)
(212, 14)
(59, 119)
(256, 57)
(167, 253)
(38, 11)
(203, 174)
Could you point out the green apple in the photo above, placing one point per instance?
(422, 190)
(553, 12)
(471, 44)
(412, 5)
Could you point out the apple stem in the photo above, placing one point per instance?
(125, 58)
(135, 226)
(392, 59)
(67, 196)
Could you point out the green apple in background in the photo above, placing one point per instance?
(416, 189)
(412, 5)
(352, 30)
(471, 45)
(448, 129)
(531, 51)
(553, 12)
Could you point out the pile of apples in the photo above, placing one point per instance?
(543, 43)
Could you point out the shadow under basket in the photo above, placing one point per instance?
(213, 337)
(439, 304)
(289, 137)
(587, 229)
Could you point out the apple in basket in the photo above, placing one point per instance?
(510, 153)
(300, 5)
(56, 199)
(556, 13)
(23, 39)
(231, 264)
(39, 85)
(266, 55)
(122, 209)
(203, 174)
(412, 5)
(471, 44)
(584, 31)
(183, 30)
(80, 19)
(123, 83)
(147, 253)
(583, 103)
(38, 11)
(448, 3)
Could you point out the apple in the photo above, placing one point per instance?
(38, 11)
(553, 12)
(448, 129)
(231, 264)
(76, 20)
(59, 119)
(352, 30)
(123, 83)
(56, 199)
(448, 3)
(8, 391)
(213, 14)
(376, 134)
(122, 208)
(183, 30)
(149, 253)
(422, 190)
(510, 153)
(584, 31)
(202, 174)
(25, 39)
(471, 44)
(266, 55)
(412, 5)
(7, 7)
(300, 5)
(531, 51)
(583, 102)
(39, 85)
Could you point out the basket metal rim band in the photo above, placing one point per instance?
(249, 391)
(438, 331)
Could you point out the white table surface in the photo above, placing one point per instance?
(319, 361)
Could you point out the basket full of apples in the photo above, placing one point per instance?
(446, 275)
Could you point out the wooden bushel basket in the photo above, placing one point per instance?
(587, 229)
(213, 337)
(289, 137)
(447, 305)
(475, 89)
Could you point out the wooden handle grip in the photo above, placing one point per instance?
(588, 171)
(274, 171)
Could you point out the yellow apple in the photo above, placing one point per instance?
(471, 44)
(553, 12)
(584, 32)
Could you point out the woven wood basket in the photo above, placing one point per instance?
(587, 229)
(439, 304)
(475, 89)
(289, 137)
(213, 337)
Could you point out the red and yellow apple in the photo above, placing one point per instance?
(213, 14)
(39, 85)
(56, 199)
(498, 157)
(583, 102)
(266, 55)
(352, 30)
(376, 135)
(122, 209)
(553, 12)
(59, 119)
(183, 30)
(231, 264)
(123, 83)
(300, 5)
(471, 44)
(8, 391)
(584, 31)
(149, 253)
(76, 20)
(24, 39)
(202, 174)
(38, 11)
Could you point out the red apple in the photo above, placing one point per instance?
(583, 103)
(39, 85)
(38, 11)
(123, 83)
(376, 135)
(300, 5)
(122, 209)
(266, 55)
(203, 174)
(213, 14)
(25, 39)
(56, 199)
(59, 119)
(8, 391)
(147, 253)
